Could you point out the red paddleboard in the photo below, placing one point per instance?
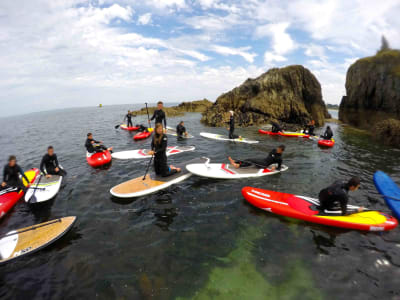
(98, 159)
(10, 196)
(130, 128)
(305, 208)
(142, 135)
(326, 143)
(286, 134)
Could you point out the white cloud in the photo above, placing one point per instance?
(178, 4)
(281, 41)
(314, 50)
(243, 52)
(270, 57)
(144, 19)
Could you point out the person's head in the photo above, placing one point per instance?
(328, 128)
(159, 128)
(354, 183)
(280, 149)
(231, 112)
(90, 136)
(312, 122)
(160, 104)
(50, 150)
(181, 123)
(129, 111)
(12, 161)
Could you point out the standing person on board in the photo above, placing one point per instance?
(49, 165)
(128, 118)
(232, 126)
(159, 114)
(12, 174)
(93, 146)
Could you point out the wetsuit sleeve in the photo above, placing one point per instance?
(5, 174)
(154, 116)
(56, 160)
(42, 163)
(23, 174)
(343, 203)
(152, 144)
(165, 119)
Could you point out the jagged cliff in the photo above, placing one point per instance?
(291, 95)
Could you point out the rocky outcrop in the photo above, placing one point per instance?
(291, 95)
(373, 93)
(181, 109)
(388, 132)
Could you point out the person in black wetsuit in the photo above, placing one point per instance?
(310, 128)
(276, 127)
(328, 133)
(158, 149)
(232, 126)
(181, 130)
(49, 165)
(128, 118)
(335, 196)
(274, 157)
(12, 175)
(93, 146)
(159, 114)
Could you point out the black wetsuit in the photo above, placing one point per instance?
(160, 157)
(328, 134)
(91, 148)
(232, 128)
(309, 129)
(49, 164)
(11, 176)
(334, 197)
(276, 127)
(159, 115)
(142, 128)
(180, 130)
(128, 118)
(273, 158)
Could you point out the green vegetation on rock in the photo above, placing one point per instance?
(179, 110)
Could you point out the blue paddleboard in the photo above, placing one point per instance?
(389, 190)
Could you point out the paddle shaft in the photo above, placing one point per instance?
(148, 167)
(31, 228)
(35, 188)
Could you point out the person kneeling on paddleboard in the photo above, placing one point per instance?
(274, 157)
(158, 149)
(309, 129)
(328, 133)
(93, 146)
(276, 127)
(336, 197)
(49, 165)
(12, 174)
(232, 126)
(181, 130)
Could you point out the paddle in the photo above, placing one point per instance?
(148, 167)
(32, 228)
(33, 198)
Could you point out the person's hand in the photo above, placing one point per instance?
(151, 152)
(48, 176)
(92, 142)
(3, 184)
(227, 128)
(101, 142)
(148, 121)
(57, 169)
(360, 209)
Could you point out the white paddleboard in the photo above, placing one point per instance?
(172, 131)
(152, 183)
(144, 153)
(43, 189)
(227, 171)
(226, 138)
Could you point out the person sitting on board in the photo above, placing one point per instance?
(159, 114)
(181, 130)
(335, 196)
(276, 127)
(232, 126)
(274, 157)
(93, 146)
(49, 164)
(310, 128)
(12, 174)
(128, 118)
(328, 134)
(159, 146)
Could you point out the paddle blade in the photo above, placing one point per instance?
(117, 126)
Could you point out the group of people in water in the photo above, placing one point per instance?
(333, 197)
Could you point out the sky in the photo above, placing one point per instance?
(69, 53)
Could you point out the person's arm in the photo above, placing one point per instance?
(56, 161)
(5, 175)
(42, 164)
(165, 119)
(152, 144)
(343, 203)
(154, 116)
(23, 175)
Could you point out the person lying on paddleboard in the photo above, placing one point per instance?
(274, 157)
(232, 127)
(328, 134)
(128, 118)
(49, 165)
(12, 175)
(159, 146)
(336, 196)
(142, 128)
(93, 146)
(309, 129)
(181, 130)
(276, 127)
(159, 114)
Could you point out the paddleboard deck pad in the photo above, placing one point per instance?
(30, 239)
(43, 189)
(389, 190)
(227, 171)
(152, 183)
(226, 138)
(172, 131)
(305, 208)
(98, 159)
(144, 153)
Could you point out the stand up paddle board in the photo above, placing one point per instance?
(27, 240)
(389, 190)
(305, 208)
(143, 153)
(172, 131)
(98, 159)
(43, 189)
(227, 171)
(226, 138)
(152, 183)
(286, 134)
(9, 196)
(130, 128)
(326, 143)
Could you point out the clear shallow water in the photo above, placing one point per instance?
(198, 239)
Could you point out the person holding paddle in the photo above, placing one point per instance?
(158, 150)
(12, 174)
(128, 118)
(93, 146)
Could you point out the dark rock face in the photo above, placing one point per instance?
(373, 94)
(291, 95)
(388, 132)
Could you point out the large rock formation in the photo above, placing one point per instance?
(291, 95)
(181, 109)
